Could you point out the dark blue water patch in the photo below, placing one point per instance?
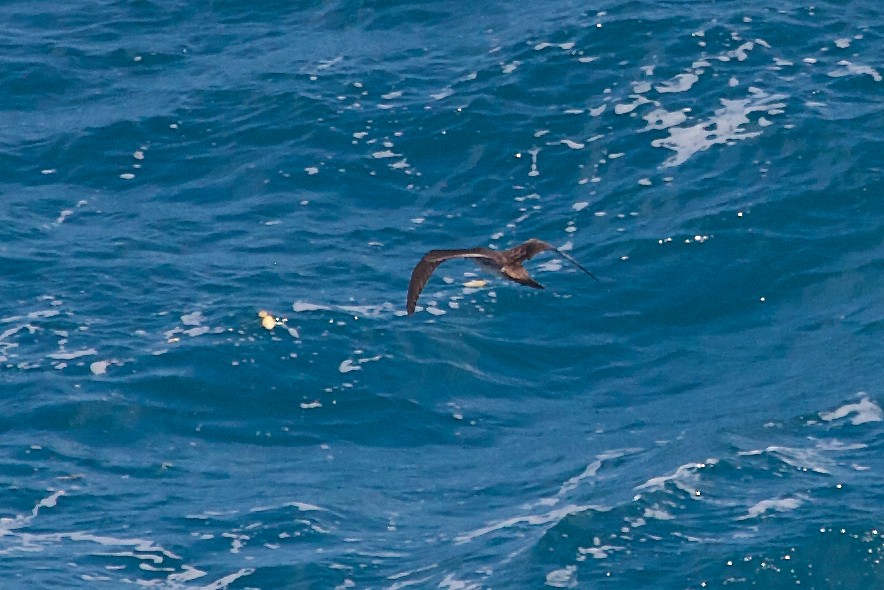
(815, 558)
(614, 544)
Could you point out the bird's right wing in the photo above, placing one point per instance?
(570, 259)
(424, 269)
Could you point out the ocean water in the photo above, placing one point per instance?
(707, 415)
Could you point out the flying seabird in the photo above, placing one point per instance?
(506, 263)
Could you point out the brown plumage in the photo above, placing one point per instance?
(506, 263)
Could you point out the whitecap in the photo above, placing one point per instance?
(804, 459)
(552, 516)
(683, 475)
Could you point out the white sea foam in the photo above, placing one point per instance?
(511, 67)
(352, 310)
(779, 505)
(371, 311)
(301, 506)
(660, 481)
(725, 126)
(385, 154)
(348, 365)
(142, 549)
(848, 68)
(450, 582)
(740, 53)
(562, 578)
(684, 478)
(804, 459)
(680, 83)
(299, 306)
(574, 145)
(626, 108)
(592, 469)
(65, 355)
(193, 319)
(551, 265)
(657, 513)
(444, 93)
(565, 46)
(225, 581)
(552, 516)
(99, 367)
(863, 411)
(663, 119)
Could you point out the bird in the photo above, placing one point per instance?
(506, 263)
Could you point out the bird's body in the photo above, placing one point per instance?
(506, 263)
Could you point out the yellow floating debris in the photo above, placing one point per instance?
(475, 284)
(267, 320)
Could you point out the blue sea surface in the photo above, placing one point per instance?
(707, 415)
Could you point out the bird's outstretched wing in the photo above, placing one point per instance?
(529, 250)
(517, 273)
(424, 269)
(570, 259)
(533, 247)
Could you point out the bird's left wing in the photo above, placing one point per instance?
(424, 269)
